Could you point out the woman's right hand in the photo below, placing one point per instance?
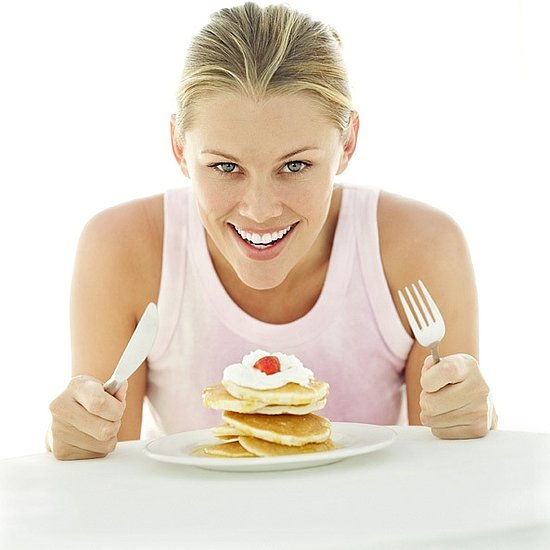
(85, 419)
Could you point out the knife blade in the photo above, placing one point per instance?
(137, 349)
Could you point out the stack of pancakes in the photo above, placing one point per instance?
(269, 422)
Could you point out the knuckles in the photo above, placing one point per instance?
(96, 404)
(106, 446)
(84, 381)
(109, 431)
(475, 430)
(67, 452)
(59, 407)
(478, 429)
(68, 439)
(424, 419)
(54, 406)
(65, 448)
(426, 405)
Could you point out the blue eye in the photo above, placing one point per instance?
(295, 166)
(226, 167)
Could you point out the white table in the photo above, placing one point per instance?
(420, 492)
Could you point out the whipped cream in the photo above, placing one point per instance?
(244, 373)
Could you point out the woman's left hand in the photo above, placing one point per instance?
(455, 400)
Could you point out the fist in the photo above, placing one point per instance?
(85, 419)
(455, 401)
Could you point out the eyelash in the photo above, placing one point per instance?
(216, 166)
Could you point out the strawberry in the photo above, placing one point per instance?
(268, 364)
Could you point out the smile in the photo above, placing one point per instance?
(263, 240)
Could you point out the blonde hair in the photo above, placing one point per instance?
(260, 52)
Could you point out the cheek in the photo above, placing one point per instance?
(214, 197)
(315, 197)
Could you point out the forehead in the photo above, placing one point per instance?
(279, 121)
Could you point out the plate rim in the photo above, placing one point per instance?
(340, 429)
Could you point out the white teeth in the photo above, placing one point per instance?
(264, 238)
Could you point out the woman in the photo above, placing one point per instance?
(264, 250)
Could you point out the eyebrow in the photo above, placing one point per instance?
(232, 158)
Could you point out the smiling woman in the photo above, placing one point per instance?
(461, 124)
(264, 250)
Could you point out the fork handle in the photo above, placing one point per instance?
(435, 353)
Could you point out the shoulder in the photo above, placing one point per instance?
(413, 231)
(129, 222)
(418, 241)
(126, 229)
(123, 244)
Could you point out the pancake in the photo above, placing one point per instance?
(217, 397)
(292, 409)
(268, 422)
(225, 431)
(289, 394)
(232, 449)
(260, 447)
(285, 429)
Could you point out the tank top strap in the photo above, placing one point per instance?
(388, 320)
(174, 257)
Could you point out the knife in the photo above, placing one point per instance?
(136, 351)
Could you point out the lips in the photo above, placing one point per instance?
(265, 239)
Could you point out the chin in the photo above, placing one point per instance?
(262, 281)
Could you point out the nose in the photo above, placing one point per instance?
(260, 201)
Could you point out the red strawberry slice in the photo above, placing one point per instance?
(268, 364)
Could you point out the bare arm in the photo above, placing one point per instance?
(117, 272)
(419, 242)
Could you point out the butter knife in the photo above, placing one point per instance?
(136, 351)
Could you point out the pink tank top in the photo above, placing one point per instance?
(352, 338)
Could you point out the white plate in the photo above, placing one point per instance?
(350, 439)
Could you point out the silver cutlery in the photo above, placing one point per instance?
(137, 349)
(426, 322)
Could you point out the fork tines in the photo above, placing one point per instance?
(426, 313)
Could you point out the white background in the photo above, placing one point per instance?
(454, 103)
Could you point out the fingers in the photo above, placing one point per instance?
(89, 393)
(450, 370)
(454, 398)
(86, 419)
(68, 452)
(121, 393)
(428, 362)
(68, 443)
(470, 431)
(94, 426)
(71, 413)
(437, 403)
(466, 415)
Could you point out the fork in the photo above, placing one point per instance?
(427, 322)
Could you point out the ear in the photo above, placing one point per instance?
(350, 143)
(177, 147)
